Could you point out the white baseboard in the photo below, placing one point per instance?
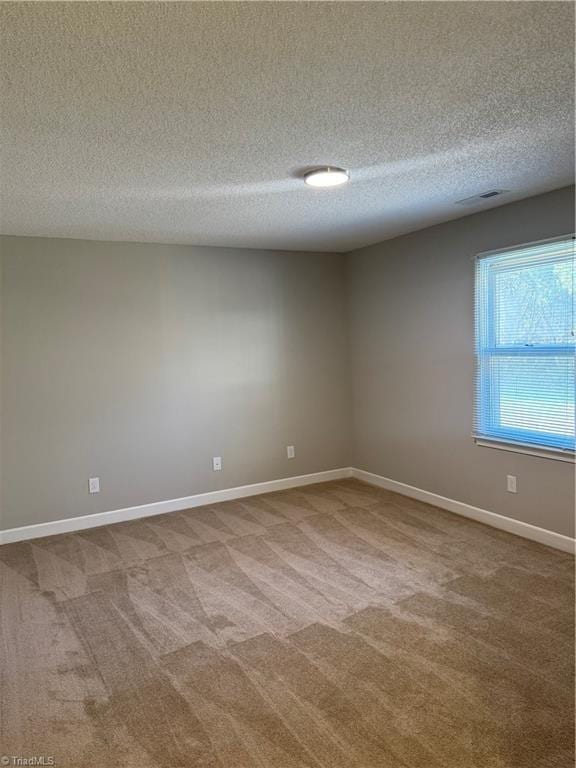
(173, 505)
(526, 530)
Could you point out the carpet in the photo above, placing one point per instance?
(331, 626)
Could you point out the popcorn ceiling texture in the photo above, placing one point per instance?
(193, 122)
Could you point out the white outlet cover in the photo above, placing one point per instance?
(217, 463)
(94, 485)
(290, 452)
(511, 483)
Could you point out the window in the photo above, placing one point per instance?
(525, 346)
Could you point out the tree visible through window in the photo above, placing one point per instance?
(525, 345)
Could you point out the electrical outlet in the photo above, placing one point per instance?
(217, 463)
(511, 483)
(290, 452)
(94, 485)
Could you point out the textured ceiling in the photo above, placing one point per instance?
(193, 122)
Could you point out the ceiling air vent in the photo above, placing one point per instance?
(477, 199)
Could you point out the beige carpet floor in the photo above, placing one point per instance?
(332, 626)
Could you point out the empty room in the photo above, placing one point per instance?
(287, 348)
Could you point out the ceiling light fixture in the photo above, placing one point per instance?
(326, 177)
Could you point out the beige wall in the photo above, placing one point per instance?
(411, 312)
(138, 363)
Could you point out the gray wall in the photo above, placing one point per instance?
(138, 363)
(411, 312)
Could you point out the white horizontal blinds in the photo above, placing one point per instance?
(525, 345)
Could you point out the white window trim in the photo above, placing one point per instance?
(554, 454)
(522, 246)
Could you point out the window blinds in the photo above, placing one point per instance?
(525, 345)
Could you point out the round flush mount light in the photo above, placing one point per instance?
(329, 176)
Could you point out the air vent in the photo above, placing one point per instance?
(477, 199)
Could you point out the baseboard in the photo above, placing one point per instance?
(173, 505)
(526, 530)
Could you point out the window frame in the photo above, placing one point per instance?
(485, 433)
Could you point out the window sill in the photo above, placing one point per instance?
(556, 454)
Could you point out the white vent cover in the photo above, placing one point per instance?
(482, 197)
